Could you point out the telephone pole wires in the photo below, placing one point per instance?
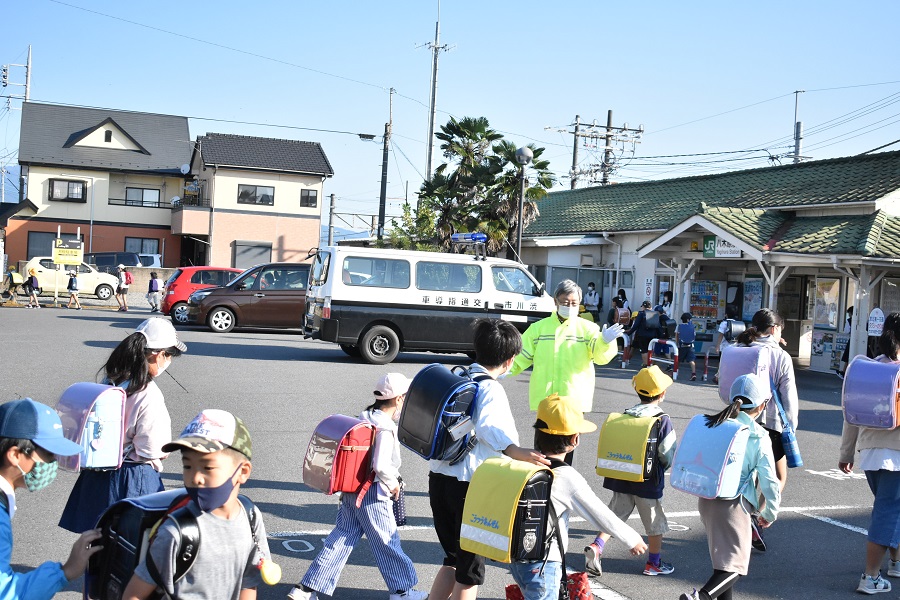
(382, 204)
(590, 135)
(436, 49)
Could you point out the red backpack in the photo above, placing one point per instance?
(339, 456)
(129, 279)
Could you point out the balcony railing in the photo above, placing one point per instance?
(139, 203)
(198, 202)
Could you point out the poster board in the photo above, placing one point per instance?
(828, 297)
(753, 297)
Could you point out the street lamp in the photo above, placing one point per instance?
(524, 155)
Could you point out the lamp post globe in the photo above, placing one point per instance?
(524, 156)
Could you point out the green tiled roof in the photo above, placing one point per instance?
(752, 225)
(660, 205)
(874, 235)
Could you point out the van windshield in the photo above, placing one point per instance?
(514, 280)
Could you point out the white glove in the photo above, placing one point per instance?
(611, 332)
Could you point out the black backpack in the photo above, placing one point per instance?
(128, 528)
(733, 329)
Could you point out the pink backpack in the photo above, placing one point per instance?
(743, 360)
(871, 394)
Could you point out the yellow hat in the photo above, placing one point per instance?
(650, 381)
(562, 416)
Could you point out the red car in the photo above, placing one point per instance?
(187, 280)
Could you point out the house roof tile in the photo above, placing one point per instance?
(264, 153)
(48, 130)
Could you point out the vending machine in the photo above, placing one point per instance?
(707, 309)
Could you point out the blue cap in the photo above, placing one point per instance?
(750, 390)
(29, 420)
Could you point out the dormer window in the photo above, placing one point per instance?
(107, 136)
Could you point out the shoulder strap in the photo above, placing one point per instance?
(4, 501)
(184, 514)
(250, 509)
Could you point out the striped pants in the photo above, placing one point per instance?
(375, 519)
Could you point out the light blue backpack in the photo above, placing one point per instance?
(708, 460)
(93, 416)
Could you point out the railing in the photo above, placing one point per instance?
(200, 202)
(138, 203)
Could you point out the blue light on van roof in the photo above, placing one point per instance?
(469, 238)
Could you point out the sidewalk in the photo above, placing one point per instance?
(137, 302)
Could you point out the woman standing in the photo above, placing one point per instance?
(727, 521)
(133, 365)
(879, 458)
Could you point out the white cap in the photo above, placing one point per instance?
(71, 272)
(160, 334)
(391, 386)
(121, 267)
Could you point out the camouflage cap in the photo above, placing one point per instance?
(213, 430)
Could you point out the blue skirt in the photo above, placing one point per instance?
(95, 491)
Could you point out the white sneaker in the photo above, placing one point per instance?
(592, 564)
(410, 595)
(873, 585)
(893, 568)
(298, 594)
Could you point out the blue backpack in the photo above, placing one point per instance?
(709, 460)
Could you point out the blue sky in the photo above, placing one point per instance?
(524, 66)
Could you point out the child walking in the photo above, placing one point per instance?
(556, 433)
(375, 516)
(684, 337)
(231, 561)
(497, 342)
(727, 521)
(31, 287)
(650, 384)
(73, 290)
(154, 289)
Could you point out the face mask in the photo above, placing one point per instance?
(163, 367)
(40, 476)
(590, 288)
(212, 498)
(567, 312)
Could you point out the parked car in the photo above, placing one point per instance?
(90, 281)
(107, 262)
(267, 295)
(187, 280)
(152, 261)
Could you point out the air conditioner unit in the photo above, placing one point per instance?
(587, 260)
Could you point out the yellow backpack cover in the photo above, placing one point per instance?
(489, 515)
(627, 447)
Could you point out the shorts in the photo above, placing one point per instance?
(650, 511)
(884, 529)
(686, 354)
(122, 290)
(777, 444)
(447, 496)
(641, 344)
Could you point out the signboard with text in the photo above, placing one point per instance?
(68, 252)
(715, 247)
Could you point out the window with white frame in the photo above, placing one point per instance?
(142, 245)
(141, 197)
(256, 194)
(309, 198)
(65, 190)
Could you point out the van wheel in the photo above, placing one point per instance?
(221, 320)
(379, 345)
(351, 350)
(104, 292)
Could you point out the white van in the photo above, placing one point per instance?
(376, 302)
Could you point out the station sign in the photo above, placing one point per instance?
(715, 247)
(68, 252)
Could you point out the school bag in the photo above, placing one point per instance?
(871, 394)
(708, 460)
(627, 447)
(743, 360)
(129, 278)
(154, 285)
(686, 335)
(436, 422)
(623, 316)
(128, 528)
(733, 328)
(505, 516)
(339, 456)
(651, 323)
(93, 416)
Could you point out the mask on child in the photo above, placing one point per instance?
(40, 476)
(212, 498)
(590, 288)
(567, 312)
(161, 368)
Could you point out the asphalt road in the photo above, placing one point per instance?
(282, 386)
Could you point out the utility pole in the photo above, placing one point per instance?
(607, 149)
(798, 127)
(575, 152)
(436, 49)
(331, 222)
(382, 205)
(610, 136)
